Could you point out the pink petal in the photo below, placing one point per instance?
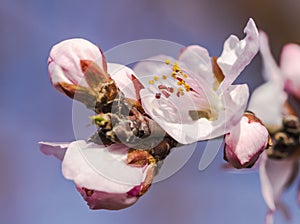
(198, 61)
(104, 200)
(246, 142)
(101, 169)
(290, 66)
(122, 75)
(237, 54)
(271, 70)
(64, 60)
(274, 177)
(234, 103)
(55, 149)
(266, 107)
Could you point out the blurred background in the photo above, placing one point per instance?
(32, 188)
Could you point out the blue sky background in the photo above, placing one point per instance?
(32, 189)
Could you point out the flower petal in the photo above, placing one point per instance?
(245, 142)
(122, 75)
(290, 66)
(186, 132)
(104, 200)
(274, 177)
(197, 59)
(237, 54)
(64, 61)
(153, 66)
(271, 70)
(55, 149)
(99, 168)
(266, 107)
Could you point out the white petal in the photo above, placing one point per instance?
(266, 106)
(237, 54)
(271, 70)
(154, 66)
(54, 148)
(198, 61)
(122, 75)
(234, 101)
(99, 168)
(274, 176)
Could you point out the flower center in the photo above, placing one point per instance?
(174, 82)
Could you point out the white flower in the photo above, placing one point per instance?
(193, 98)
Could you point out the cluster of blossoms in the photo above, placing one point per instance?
(142, 113)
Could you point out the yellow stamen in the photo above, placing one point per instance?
(156, 78)
(187, 87)
(174, 75)
(184, 75)
(164, 77)
(176, 67)
(167, 61)
(151, 82)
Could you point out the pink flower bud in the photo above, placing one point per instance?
(246, 142)
(64, 62)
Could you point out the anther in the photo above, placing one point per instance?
(166, 94)
(162, 87)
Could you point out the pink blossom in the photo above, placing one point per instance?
(193, 98)
(102, 174)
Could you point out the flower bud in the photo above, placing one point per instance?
(64, 62)
(246, 141)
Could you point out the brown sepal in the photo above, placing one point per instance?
(94, 75)
(219, 75)
(148, 180)
(79, 93)
(104, 63)
(138, 87)
(139, 158)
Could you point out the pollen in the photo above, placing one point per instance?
(167, 61)
(174, 75)
(156, 78)
(187, 87)
(184, 75)
(179, 83)
(151, 82)
(164, 77)
(180, 92)
(176, 67)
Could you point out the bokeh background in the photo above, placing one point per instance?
(32, 189)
